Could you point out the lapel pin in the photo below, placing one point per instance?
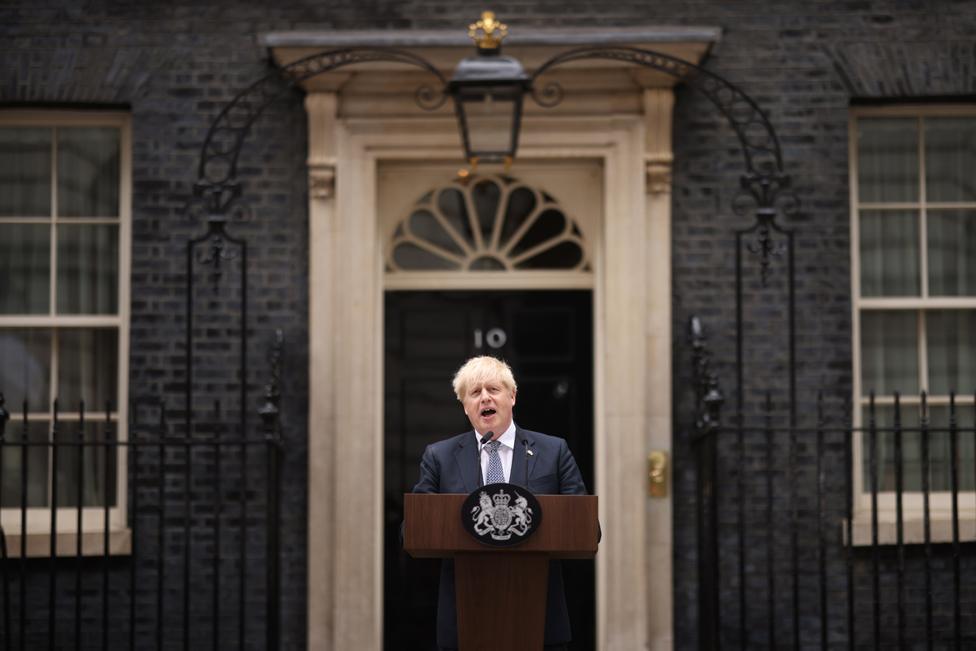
(530, 453)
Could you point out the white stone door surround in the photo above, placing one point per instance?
(623, 120)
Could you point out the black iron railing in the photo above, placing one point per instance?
(179, 532)
(814, 533)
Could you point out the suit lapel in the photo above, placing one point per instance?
(521, 457)
(466, 455)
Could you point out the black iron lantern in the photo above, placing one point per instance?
(488, 91)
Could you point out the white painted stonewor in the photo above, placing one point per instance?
(605, 154)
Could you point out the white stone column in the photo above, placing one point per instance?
(658, 111)
(345, 481)
(622, 446)
(322, 245)
(357, 489)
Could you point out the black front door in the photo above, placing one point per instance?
(547, 338)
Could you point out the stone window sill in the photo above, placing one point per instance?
(38, 545)
(913, 529)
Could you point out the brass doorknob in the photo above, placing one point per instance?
(657, 473)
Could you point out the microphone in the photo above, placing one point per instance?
(487, 437)
(525, 444)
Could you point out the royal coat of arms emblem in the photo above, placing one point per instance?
(501, 514)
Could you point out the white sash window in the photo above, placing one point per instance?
(913, 194)
(64, 268)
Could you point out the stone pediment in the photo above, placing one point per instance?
(593, 86)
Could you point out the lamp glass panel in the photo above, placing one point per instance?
(491, 124)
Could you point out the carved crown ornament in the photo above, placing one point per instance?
(488, 90)
(488, 33)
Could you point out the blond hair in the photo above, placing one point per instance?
(479, 370)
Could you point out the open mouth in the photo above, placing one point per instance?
(487, 412)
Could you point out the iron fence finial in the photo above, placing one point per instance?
(4, 415)
(269, 411)
(708, 393)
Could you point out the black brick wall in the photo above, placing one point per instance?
(174, 64)
(804, 65)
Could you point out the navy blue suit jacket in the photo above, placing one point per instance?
(453, 466)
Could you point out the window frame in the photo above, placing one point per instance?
(940, 503)
(38, 521)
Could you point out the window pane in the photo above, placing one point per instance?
(25, 372)
(939, 452)
(940, 448)
(889, 352)
(36, 458)
(950, 158)
(549, 225)
(413, 258)
(87, 367)
(521, 203)
(486, 196)
(455, 210)
(884, 455)
(25, 267)
(88, 172)
(951, 338)
(25, 172)
(425, 226)
(887, 166)
(889, 253)
(564, 255)
(88, 264)
(93, 484)
(952, 252)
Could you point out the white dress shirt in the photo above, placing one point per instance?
(505, 451)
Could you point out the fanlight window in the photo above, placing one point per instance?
(487, 223)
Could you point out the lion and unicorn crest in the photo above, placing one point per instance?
(494, 515)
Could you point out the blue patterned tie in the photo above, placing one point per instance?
(494, 474)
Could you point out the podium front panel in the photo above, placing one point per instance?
(433, 527)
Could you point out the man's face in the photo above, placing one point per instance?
(488, 405)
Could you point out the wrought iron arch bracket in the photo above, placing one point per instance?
(217, 185)
(764, 181)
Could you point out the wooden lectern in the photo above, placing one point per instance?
(501, 591)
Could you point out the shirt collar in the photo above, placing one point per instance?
(507, 438)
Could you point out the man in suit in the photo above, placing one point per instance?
(486, 389)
